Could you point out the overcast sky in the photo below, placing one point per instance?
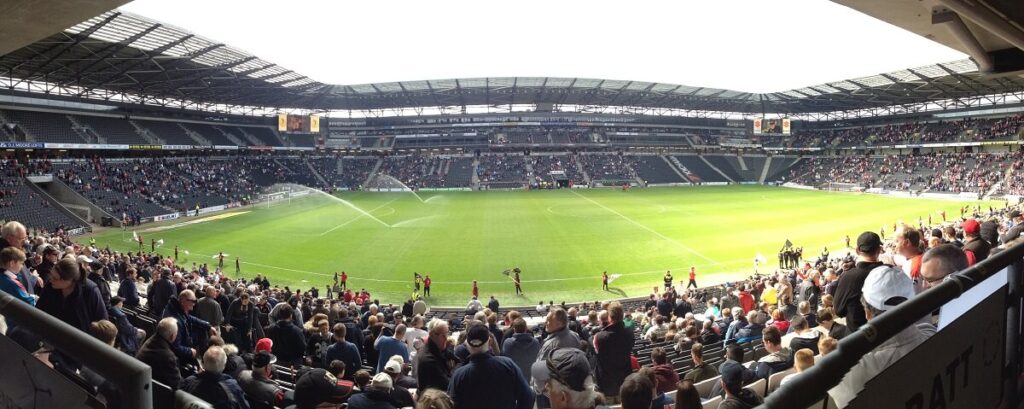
(754, 46)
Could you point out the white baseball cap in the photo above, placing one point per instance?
(886, 287)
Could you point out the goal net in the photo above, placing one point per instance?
(844, 187)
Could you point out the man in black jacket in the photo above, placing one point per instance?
(289, 342)
(353, 331)
(848, 291)
(434, 361)
(157, 353)
(614, 344)
(161, 293)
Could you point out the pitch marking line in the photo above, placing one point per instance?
(359, 216)
(655, 232)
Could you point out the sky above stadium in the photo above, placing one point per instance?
(753, 46)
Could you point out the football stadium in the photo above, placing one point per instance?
(463, 205)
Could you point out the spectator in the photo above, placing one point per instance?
(15, 235)
(127, 335)
(754, 327)
(399, 394)
(13, 260)
(434, 361)
(687, 396)
(288, 339)
(835, 329)
(802, 359)
(806, 337)
(805, 311)
(848, 291)
(559, 336)
(733, 362)
(415, 334)
(212, 385)
(487, 381)
(435, 399)
(181, 310)
(614, 344)
(637, 392)
(975, 247)
(521, 347)
(353, 330)
(778, 358)
(665, 375)
(779, 321)
(746, 300)
(243, 322)
(208, 309)
(161, 293)
(567, 380)
(908, 245)
(708, 336)
(376, 396)
(344, 351)
(737, 397)
(318, 342)
(809, 292)
(388, 346)
(940, 262)
(1014, 232)
(259, 388)
(320, 387)
(159, 355)
(127, 289)
(71, 298)
(884, 288)
(827, 345)
(701, 370)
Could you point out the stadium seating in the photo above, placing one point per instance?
(655, 169)
(169, 132)
(502, 171)
(543, 165)
(700, 168)
(45, 127)
(609, 169)
(113, 130)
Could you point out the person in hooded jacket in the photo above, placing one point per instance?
(521, 346)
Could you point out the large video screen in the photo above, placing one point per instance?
(772, 126)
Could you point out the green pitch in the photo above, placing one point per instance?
(562, 240)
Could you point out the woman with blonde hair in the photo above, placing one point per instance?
(434, 399)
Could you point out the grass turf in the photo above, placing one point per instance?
(562, 240)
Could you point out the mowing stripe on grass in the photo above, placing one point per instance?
(655, 232)
(359, 216)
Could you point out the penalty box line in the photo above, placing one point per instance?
(642, 226)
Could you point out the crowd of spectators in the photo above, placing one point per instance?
(543, 165)
(951, 172)
(502, 169)
(616, 168)
(248, 343)
(417, 171)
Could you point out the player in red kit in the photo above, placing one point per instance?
(426, 285)
(693, 278)
(476, 290)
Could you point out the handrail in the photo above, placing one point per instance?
(803, 391)
(132, 377)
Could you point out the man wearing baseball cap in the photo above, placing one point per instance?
(848, 290)
(257, 383)
(975, 247)
(565, 377)
(488, 381)
(884, 288)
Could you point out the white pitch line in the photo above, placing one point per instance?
(359, 216)
(655, 232)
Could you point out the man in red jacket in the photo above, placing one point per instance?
(746, 300)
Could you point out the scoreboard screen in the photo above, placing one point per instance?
(298, 123)
(772, 126)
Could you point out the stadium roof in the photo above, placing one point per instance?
(125, 53)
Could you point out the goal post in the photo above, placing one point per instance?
(844, 187)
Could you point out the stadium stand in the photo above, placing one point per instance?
(45, 127)
(700, 168)
(502, 171)
(543, 165)
(612, 169)
(656, 169)
(112, 130)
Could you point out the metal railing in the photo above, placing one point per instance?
(132, 377)
(812, 386)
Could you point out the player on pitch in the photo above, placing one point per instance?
(517, 281)
(693, 278)
(604, 281)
